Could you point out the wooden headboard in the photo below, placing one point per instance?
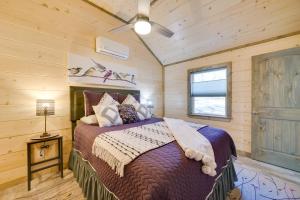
(77, 100)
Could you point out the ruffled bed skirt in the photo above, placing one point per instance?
(94, 189)
(224, 183)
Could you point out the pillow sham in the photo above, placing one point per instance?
(91, 119)
(91, 99)
(107, 115)
(128, 113)
(142, 111)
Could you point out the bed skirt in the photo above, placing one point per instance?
(94, 189)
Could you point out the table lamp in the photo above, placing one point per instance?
(150, 106)
(45, 107)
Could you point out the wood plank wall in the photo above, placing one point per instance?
(35, 37)
(240, 125)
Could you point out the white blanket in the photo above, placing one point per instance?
(194, 145)
(119, 148)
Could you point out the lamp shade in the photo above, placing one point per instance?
(150, 104)
(45, 107)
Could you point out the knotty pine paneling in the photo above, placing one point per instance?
(204, 27)
(35, 37)
(240, 125)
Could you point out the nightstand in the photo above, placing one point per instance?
(35, 165)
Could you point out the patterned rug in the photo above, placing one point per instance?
(255, 185)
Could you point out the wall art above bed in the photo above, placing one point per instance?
(91, 71)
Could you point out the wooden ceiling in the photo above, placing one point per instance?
(203, 27)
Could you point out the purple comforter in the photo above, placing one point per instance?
(162, 173)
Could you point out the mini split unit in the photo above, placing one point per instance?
(111, 48)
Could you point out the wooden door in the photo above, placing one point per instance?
(276, 108)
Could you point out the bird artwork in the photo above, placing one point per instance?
(100, 67)
(107, 75)
(88, 70)
(124, 75)
(75, 70)
(117, 76)
(132, 78)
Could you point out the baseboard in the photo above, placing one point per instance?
(243, 153)
(12, 183)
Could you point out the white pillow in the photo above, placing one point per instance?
(130, 100)
(107, 115)
(105, 110)
(107, 100)
(142, 111)
(91, 119)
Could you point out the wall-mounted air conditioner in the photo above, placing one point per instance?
(112, 48)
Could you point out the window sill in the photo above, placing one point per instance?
(208, 117)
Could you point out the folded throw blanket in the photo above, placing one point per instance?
(194, 144)
(118, 148)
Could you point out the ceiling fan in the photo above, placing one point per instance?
(141, 23)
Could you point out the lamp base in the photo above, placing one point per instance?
(44, 135)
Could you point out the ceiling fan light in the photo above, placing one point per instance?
(142, 27)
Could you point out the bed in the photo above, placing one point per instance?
(162, 173)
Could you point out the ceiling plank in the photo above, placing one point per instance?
(209, 27)
(125, 22)
(106, 11)
(235, 48)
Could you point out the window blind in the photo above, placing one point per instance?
(211, 83)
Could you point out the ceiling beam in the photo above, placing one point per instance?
(106, 11)
(235, 48)
(126, 22)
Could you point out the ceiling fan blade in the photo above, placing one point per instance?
(161, 29)
(121, 28)
(144, 7)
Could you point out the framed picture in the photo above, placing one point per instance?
(91, 71)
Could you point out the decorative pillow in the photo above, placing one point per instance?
(91, 99)
(122, 97)
(107, 100)
(130, 100)
(91, 119)
(142, 111)
(107, 115)
(128, 113)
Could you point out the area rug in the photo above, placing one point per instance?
(255, 185)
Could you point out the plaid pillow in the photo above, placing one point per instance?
(128, 113)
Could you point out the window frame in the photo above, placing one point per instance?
(228, 97)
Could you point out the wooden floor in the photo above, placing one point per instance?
(53, 187)
(46, 187)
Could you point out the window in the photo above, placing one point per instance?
(209, 91)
